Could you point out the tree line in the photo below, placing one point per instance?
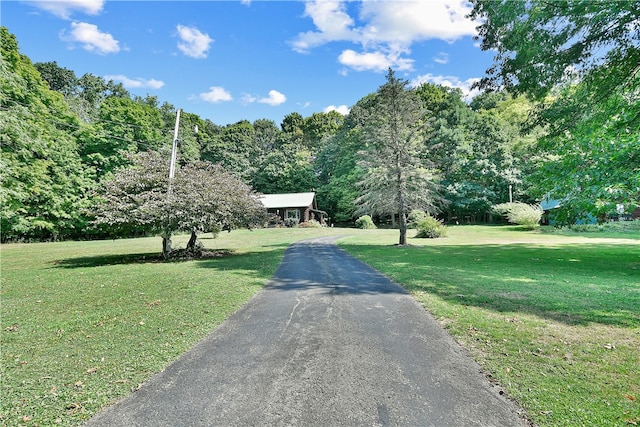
(399, 148)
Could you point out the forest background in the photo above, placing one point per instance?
(61, 135)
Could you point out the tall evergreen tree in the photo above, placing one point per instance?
(399, 176)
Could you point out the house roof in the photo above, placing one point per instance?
(548, 204)
(290, 200)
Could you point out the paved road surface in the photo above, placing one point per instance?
(329, 342)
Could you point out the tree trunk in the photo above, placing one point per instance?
(403, 229)
(402, 216)
(191, 245)
(166, 246)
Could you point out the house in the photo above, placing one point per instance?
(548, 206)
(299, 206)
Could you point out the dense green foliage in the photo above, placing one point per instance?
(62, 136)
(579, 60)
(415, 216)
(43, 178)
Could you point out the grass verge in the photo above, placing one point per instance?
(554, 319)
(84, 323)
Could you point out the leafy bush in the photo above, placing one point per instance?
(274, 220)
(430, 228)
(291, 222)
(312, 223)
(520, 213)
(415, 216)
(365, 222)
(631, 227)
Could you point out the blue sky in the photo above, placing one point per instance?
(233, 60)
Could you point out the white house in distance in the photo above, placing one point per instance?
(300, 206)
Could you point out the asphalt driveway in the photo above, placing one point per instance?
(328, 342)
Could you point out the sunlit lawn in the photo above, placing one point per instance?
(554, 319)
(84, 323)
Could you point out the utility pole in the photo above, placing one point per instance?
(174, 150)
(166, 235)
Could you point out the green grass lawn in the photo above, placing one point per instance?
(84, 323)
(554, 319)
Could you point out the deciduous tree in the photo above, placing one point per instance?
(203, 198)
(60, 79)
(581, 60)
(124, 127)
(43, 181)
(540, 43)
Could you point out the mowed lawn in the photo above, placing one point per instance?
(553, 319)
(84, 323)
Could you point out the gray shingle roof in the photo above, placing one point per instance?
(290, 200)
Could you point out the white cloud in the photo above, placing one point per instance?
(376, 61)
(411, 21)
(451, 82)
(91, 38)
(387, 29)
(332, 21)
(274, 98)
(216, 94)
(138, 82)
(248, 99)
(342, 109)
(65, 8)
(441, 58)
(364, 61)
(193, 42)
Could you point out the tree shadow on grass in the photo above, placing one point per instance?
(104, 260)
(212, 258)
(573, 284)
(140, 258)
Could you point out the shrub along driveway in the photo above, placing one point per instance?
(328, 342)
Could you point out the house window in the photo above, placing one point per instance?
(293, 213)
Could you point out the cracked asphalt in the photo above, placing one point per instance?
(328, 342)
